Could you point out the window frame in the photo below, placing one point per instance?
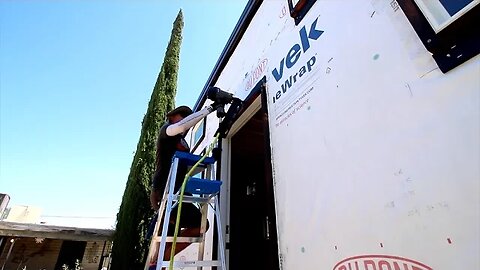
(299, 14)
(203, 124)
(428, 6)
(451, 46)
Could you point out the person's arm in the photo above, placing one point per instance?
(188, 122)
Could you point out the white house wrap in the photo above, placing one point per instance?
(375, 150)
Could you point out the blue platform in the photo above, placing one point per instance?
(191, 159)
(202, 186)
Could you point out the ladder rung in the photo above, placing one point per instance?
(191, 159)
(191, 263)
(191, 199)
(180, 239)
(202, 186)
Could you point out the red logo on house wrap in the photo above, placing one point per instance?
(379, 262)
(256, 74)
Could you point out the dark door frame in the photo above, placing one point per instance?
(251, 107)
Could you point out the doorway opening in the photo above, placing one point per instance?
(70, 252)
(252, 225)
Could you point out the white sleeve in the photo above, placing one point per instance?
(187, 122)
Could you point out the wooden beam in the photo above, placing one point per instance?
(13, 229)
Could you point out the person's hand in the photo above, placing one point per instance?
(215, 106)
(219, 107)
(155, 199)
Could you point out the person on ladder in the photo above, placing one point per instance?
(171, 139)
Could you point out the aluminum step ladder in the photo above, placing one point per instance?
(205, 192)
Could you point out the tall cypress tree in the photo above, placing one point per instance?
(129, 243)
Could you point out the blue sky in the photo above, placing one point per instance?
(75, 81)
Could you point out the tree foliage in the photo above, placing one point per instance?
(130, 245)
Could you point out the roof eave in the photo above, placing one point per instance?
(14, 229)
(237, 34)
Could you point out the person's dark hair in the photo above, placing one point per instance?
(184, 111)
